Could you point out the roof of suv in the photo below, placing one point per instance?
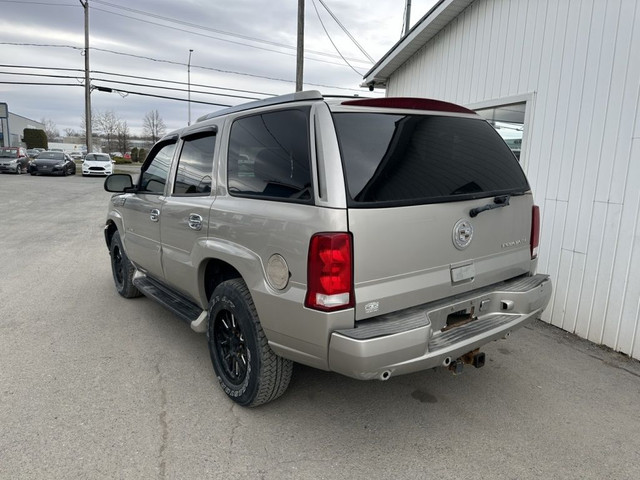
(405, 103)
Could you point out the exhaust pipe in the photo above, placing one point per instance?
(386, 375)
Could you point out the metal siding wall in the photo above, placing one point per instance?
(580, 59)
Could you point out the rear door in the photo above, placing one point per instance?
(413, 182)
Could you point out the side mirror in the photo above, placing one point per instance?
(118, 183)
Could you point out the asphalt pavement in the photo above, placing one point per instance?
(96, 386)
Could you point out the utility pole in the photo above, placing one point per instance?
(87, 81)
(189, 86)
(300, 48)
(407, 17)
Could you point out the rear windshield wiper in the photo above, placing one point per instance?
(498, 202)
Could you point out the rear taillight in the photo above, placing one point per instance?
(330, 272)
(535, 231)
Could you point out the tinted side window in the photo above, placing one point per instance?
(154, 178)
(410, 159)
(269, 156)
(195, 166)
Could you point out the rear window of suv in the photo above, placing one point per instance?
(394, 159)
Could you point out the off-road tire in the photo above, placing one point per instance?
(122, 269)
(248, 371)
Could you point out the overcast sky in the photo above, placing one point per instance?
(243, 45)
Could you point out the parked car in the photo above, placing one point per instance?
(127, 155)
(53, 163)
(76, 155)
(97, 164)
(116, 154)
(369, 237)
(13, 160)
(33, 152)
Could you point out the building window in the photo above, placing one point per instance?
(509, 122)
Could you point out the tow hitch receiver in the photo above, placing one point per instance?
(475, 358)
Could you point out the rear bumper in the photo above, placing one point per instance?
(413, 340)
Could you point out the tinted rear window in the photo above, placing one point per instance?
(410, 159)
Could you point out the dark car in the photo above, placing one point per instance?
(13, 159)
(52, 163)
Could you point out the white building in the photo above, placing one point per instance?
(12, 127)
(561, 80)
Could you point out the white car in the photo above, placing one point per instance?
(97, 164)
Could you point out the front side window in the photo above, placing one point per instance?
(414, 159)
(269, 156)
(154, 178)
(195, 166)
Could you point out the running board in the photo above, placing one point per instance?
(184, 308)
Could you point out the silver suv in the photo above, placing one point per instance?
(369, 237)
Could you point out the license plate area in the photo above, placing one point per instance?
(459, 318)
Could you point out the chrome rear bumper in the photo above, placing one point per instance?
(417, 338)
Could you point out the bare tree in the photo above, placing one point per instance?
(123, 135)
(153, 126)
(50, 129)
(70, 132)
(107, 123)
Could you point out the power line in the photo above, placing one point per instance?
(118, 90)
(129, 83)
(181, 64)
(183, 83)
(40, 3)
(210, 29)
(43, 84)
(165, 97)
(331, 40)
(215, 38)
(344, 29)
(102, 72)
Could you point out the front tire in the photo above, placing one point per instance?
(122, 269)
(249, 372)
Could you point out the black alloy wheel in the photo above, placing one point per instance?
(118, 267)
(231, 348)
(122, 269)
(248, 371)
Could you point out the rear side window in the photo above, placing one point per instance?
(195, 166)
(410, 159)
(269, 156)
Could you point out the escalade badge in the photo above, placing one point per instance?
(462, 234)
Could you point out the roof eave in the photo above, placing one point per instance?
(424, 30)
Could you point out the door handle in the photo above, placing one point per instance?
(195, 221)
(154, 214)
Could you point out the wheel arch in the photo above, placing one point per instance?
(109, 229)
(214, 272)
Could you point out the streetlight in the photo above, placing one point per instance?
(189, 85)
